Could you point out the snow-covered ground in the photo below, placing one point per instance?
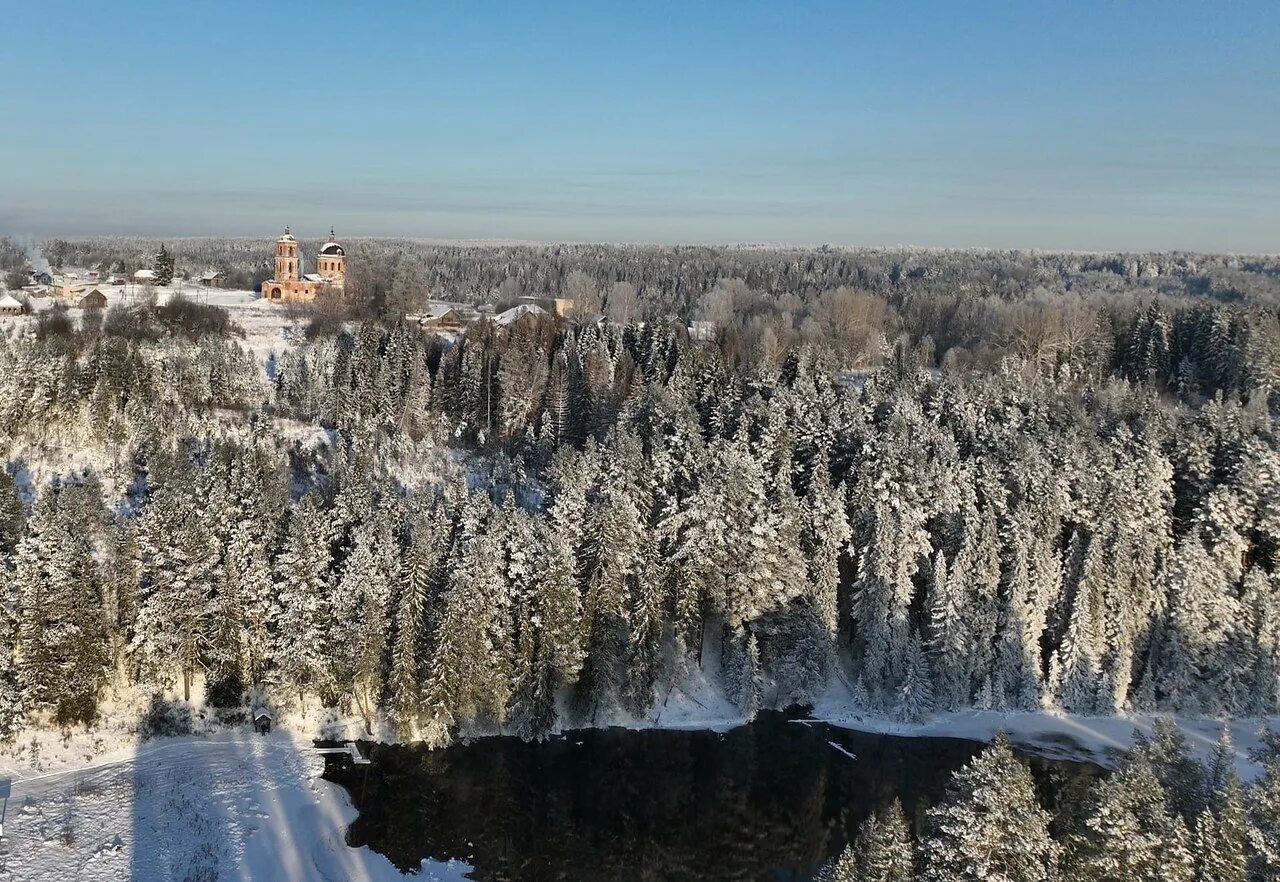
(227, 807)
(268, 327)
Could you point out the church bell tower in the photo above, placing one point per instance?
(288, 268)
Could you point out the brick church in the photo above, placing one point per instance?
(290, 283)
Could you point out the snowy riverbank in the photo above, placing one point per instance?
(230, 805)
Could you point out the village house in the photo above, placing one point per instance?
(557, 305)
(10, 305)
(442, 316)
(144, 277)
(520, 316)
(211, 279)
(71, 290)
(92, 299)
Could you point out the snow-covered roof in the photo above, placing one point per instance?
(313, 277)
(259, 712)
(516, 313)
(332, 248)
(144, 274)
(439, 310)
(211, 274)
(8, 301)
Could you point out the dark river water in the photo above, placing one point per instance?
(770, 801)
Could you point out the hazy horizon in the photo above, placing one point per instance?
(1098, 127)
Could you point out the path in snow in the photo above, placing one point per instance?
(236, 808)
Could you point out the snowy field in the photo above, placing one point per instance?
(267, 327)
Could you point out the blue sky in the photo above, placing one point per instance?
(1092, 125)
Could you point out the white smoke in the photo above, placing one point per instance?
(35, 257)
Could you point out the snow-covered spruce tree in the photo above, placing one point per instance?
(1258, 642)
(796, 645)
(61, 649)
(889, 543)
(304, 584)
(614, 537)
(948, 644)
(162, 264)
(883, 851)
(360, 618)
(468, 680)
(253, 511)
(824, 540)
(531, 707)
(428, 540)
(120, 595)
(1129, 832)
(843, 868)
(1074, 672)
(914, 699)
(740, 671)
(12, 700)
(1181, 777)
(1262, 804)
(177, 562)
(990, 825)
(1218, 834)
(1016, 678)
(557, 590)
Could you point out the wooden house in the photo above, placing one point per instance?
(93, 299)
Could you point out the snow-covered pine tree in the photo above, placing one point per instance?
(884, 849)
(1218, 833)
(1129, 833)
(178, 557)
(428, 540)
(468, 680)
(914, 699)
(361, 620)
(62, 641)
(1262, 807)
(990, 826)
(303, 580)
(824, 540)
(162, 265)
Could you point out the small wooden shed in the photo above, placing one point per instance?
(10, 305)
(94, 299)
(262, 720)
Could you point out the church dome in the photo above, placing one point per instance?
(331, 247)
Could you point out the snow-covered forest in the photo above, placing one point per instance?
(1073, 505)
(519, 529)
